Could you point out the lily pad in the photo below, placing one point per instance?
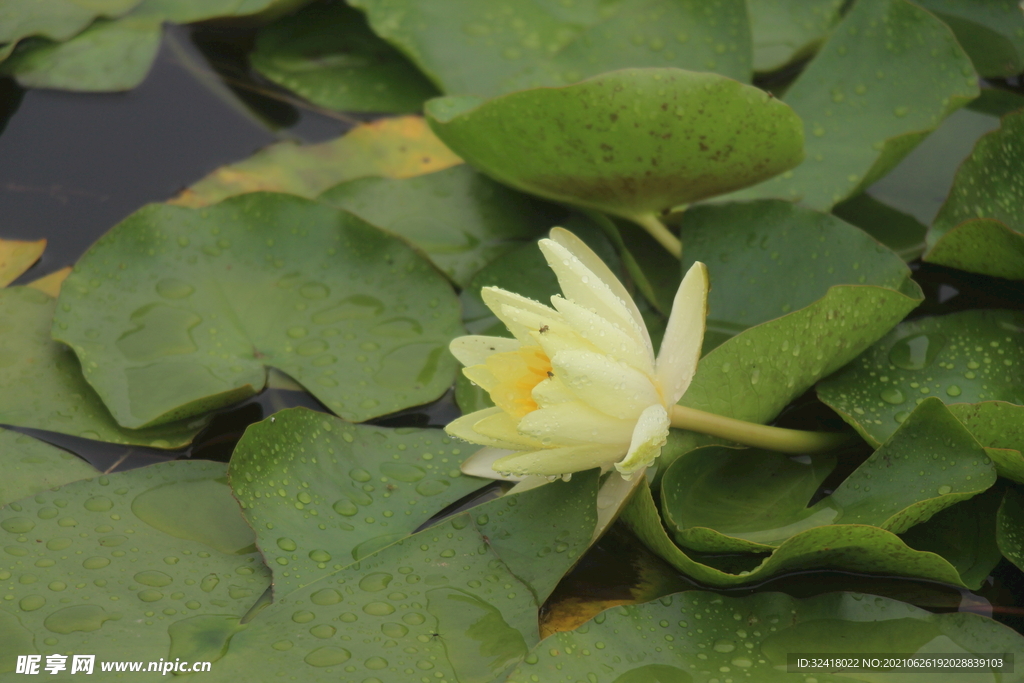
(631, 143)
(973, 361)
(768, 258)
(366, 486)
(206, 299)
(473, 48)
(128, 558)
(328, 55)
(459, 218)
(929, 464)
(784, 31)
(1010, 527)
(980, 228)
(671, 639)
(992, 32)
(16, 257)
(44, 387)
(897, 230)
(394, 148)
(888, 75)
(31, 466)
(56, 20)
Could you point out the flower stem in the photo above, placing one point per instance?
(759, 436)
(653, 225)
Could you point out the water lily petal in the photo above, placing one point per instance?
(553, 461)
(649, 436)
(497, 299)
(604, 335)
(463, 428)
(575, 423)
(481, 464)
(680, 347)
(613, 388)
(474, 349)
(551, 392)
(501, 427)
(481, 376)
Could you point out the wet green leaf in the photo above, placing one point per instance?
(206, 299)
(899, 231)
(672, 639)
(972, 361)
(768, 258)
(786, 30)
(473, 48)
(322, 493)
(980, 226)
(888, 74)
(43, 386)
(154, 557)
(394, 148)
(55, 19)
(17, 256)
(723, 500)
(459, 218)
(31, 466)
(990, 31)
(631, 143)
(328, 55)
(1010, 527)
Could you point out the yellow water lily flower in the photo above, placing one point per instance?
(579, 386)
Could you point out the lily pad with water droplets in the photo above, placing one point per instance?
(973, 361)
(31, 466)
(992, 32)
(784, 31)
(144, 562)
(205, 299)
(1010, 527)
(632, 143)
(723, 500)
(888, 75)
(752, 637)
(44, 387)
(473, 48)
(768, 258)
(980, 228)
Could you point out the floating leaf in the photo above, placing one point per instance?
(722, 500)
(631, 143)
(31, 466)
(205, 299)
(752, 637)
(473, 48)
(980, 226)
(460, 219)
(55, 19)
(395, 148)
(1010, 527)
(768, 258)
(972, 360)
(991, 32)
(787, 30)
(899, 231)
(328, 55)
(888, 74)
(132, 557)
(366, 486)
(43, 383)
(16, 257)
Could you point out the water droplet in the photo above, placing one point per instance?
(17, 525)
(323, 631)
(724, 645)
(327, 656)
(901, 416)
(286, 544)
(953, 390)
(431, 487)
(30, 603)
(892, 395)
(943, 490)
(303, 617)
(377, 581)
(378, 609)
(172, 288)
(78, 618)
(917, 351)
(319, 556)
(325, 596)
(153, 578)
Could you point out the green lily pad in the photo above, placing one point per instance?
(44, 387)
(787, 30)
(768, 258)
(155, 557)
(57, 20)
(721, 500)
(1010, 527)
(980, 228)
(992, 32)
(631, 143)
(888, 75)
(205, 299)
(366, 486)
(399, 147)
(459, 599)
(965, 535)
(897, 230)
(850, 547)
(972, 360)
(328, 55)
(31, 466)
(693, 636)
(460, 219)
(472, 48)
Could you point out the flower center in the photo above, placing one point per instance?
(518, 372)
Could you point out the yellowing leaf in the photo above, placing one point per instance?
(51, 283)
(16, 257)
